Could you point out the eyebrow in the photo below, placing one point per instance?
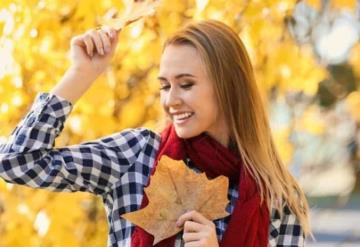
(177, 76)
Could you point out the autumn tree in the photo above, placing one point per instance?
(34, 45)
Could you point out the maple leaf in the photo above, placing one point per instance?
(175, 189)
(134, 11)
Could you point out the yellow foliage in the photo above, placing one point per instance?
(354, 59)
(353, 103)
(336, 4)
(312, 121)
(286, 149)
(314, 3)
(349, 4)
(34, 55)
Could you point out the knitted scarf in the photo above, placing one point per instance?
(249, 221)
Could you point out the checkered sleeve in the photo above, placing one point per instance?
(285, 231)
(29, 158)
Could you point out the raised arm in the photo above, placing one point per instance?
(29, 157)
(90, 54)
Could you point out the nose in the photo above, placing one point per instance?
(172, 98)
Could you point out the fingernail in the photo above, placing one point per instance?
(107, 49)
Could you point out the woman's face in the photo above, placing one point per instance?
(187, 94)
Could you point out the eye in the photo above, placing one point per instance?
(187, 85)
(164, 87)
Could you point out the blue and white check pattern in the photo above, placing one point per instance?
(115, 167)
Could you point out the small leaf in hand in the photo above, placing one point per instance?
(175, 189)
(134, 11)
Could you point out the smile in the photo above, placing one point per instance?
(182, 118)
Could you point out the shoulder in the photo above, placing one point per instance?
(131, 138)
(285, 229)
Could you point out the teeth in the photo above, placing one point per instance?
(182, 116)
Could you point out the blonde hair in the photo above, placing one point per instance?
(228, 66)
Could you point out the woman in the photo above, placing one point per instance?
(218, 124)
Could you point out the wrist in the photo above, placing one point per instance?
(75, 82)
(82, 73)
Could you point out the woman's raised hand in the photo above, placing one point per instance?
(92, 51)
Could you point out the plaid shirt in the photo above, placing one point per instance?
(115, 167)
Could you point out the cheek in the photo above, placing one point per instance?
(209, 114)
(208, 104)
(162, 100)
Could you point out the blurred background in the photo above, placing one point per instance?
(306, 56)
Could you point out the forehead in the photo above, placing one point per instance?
(178, 59)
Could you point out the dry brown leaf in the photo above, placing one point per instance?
(134, 11)
(175, 189)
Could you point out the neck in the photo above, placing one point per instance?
(232, 145)
(223, 138)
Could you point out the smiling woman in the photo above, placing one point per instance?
(217, 125)
(188, 96)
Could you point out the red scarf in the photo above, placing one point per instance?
(249, 222)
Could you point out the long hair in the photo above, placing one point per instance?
(228, 66)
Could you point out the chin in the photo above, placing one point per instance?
(185, 133)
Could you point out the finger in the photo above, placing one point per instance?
(80, 41)
(115, 32)
(192, 236)
(105, 41)
(194, 216)
(191, 226)
(94, 34)
(194, 244)
(111, 32)
(77, 40)
(88, 44)
(114, 40)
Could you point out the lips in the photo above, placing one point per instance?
(181, 117)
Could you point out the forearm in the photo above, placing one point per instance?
(88, 62)
(73, 84)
